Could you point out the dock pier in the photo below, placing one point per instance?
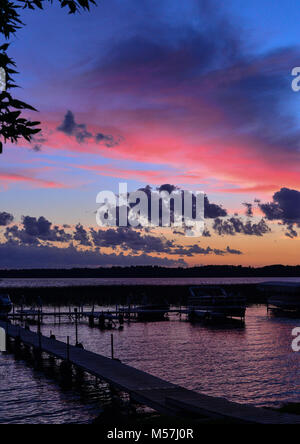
(160, 395)
(104, 319)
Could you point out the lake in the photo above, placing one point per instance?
(71, 282)
(254, 365)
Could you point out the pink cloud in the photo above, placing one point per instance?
(237, 162)
(13, 178)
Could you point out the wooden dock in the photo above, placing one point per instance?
(146, 389)
(86, 314)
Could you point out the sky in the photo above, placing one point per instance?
(193, 94)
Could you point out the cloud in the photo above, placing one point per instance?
(198, 250)
(285, 207)
(71, 128)
(233, 251)
(80, 132)
(212, 211)
(33, 243)
(27, 177)
(45, 256)
(108, 140)
(129, 239)
(290, 231)
(34, 230)
(235, 225)
(167, 205)
(249, 209)
(193, 100)
(82, 236)
(6, 218)
(167, 187)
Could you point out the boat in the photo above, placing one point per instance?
(152, 312)
(283, 296)
(5, 304)
(212, 303)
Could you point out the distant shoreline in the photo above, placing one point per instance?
(207, 271)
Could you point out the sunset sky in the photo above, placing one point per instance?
(196, 94)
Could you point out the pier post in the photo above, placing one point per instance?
(91, 321)
(68, 348)
(7, 338)
(112, 346)
(40, 340)
(39, 321)
(76, 325)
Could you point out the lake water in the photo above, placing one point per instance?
(53, 282)
(254, 365)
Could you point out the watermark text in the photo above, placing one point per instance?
(152, 208)
(2, 80)
(296, 341)
(2, 340)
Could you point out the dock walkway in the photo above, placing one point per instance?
(144, 388)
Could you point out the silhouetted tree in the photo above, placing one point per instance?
(12, 125)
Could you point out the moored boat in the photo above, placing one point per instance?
(212, 303)
(152, 312)
(283, 296)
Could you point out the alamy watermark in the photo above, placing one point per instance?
(2, 340)
(2, 80)
(296, 80)
(296, 341)
(152, 208)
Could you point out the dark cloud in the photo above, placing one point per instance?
(198, 250)
(285, 208)
(80, 132)
(128, 239)
(233, 251)
(167, 187)
(206, 233)
(5, 219)
(31, 245)
(236, 225)
(81, 235)
(212, 211)
(13, 255)
(34, 230)
(249, 209)
(108, 140)
(134, 240)
(290, 231)
(71, 128)
(179, 233)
